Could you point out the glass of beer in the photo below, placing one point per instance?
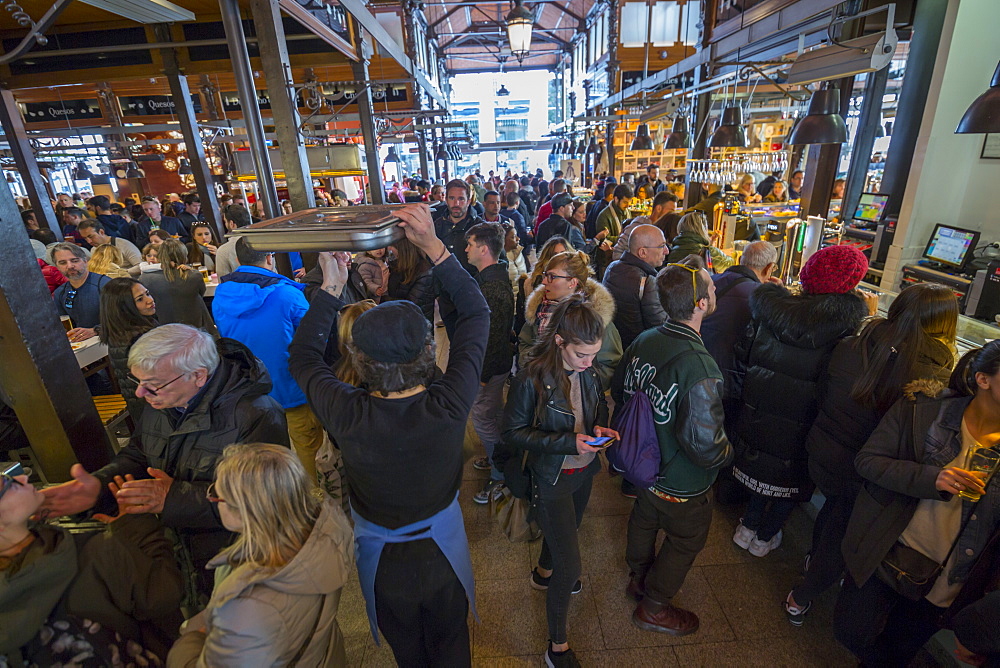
(204, 273)
(67, 323)
(984, 463)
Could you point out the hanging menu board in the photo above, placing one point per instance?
(60, 110)
(154, 105)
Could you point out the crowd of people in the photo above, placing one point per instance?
(569, 322)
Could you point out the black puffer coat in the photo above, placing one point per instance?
(632, 282)
(234, 408)
(548, 437)
(842, 425)
(778, 369)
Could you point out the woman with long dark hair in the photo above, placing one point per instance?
(201, 249)
(925, 514)
(555, 409)
(127, 312)
(178, 289)
(866, 376)
(410, 278)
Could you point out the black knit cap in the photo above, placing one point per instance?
(394, 332)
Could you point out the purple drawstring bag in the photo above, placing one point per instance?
(636, 455)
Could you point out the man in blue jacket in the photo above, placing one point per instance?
(262, 309)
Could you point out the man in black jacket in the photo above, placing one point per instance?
(450, 226)
(485, 244)
(557, 223)
(722, 330)
(201, 396)
(631, 281)
(155, 219)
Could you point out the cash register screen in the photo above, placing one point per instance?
(951, 245)
(870, 207)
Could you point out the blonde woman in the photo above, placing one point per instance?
(107, 259)
(746, 189)
(693, 239)
(277, 588)
(178, 290)
(345, 369)
(779, 192)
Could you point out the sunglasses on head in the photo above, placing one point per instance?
(694, 279)
(8, 476)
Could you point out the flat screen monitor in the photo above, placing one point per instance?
(951, 246)
(870, 207)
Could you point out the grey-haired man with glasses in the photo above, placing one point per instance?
(201, 396)
(671, 366)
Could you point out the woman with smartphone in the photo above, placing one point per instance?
(556, 411)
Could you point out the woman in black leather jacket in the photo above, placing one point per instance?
(554, 409)
(127, 312)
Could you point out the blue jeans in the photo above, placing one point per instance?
(487, 416)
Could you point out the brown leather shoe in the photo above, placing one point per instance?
(634, 590)
(652, 616)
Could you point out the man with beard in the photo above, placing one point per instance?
(450, 227)
(80, 297)
(671, 366)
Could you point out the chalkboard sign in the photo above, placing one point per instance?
(60, 110)
(153, 105)
(991, 147)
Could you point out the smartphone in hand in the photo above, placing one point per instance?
(601, 442)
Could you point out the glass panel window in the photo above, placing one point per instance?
(666, 23)
(633, 24)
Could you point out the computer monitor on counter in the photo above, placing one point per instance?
(871, 206)
(951, 246)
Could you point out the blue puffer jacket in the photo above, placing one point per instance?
(262, 310)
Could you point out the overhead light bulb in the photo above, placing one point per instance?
(642, 141)
(519, 20)
(823, 124)
(731, 134)
(983, 115)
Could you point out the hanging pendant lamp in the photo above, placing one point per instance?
(441, 153)
(185, 168)
(642, 141)
(519, 21)
(592, 148)
(392, 156)
(823, 124)
(983, 115)
(133, 172)
(679, 136)
(731, 134)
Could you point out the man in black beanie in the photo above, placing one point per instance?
(401, 437)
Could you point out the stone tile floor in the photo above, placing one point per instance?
(737, 596)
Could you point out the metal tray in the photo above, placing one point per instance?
(342, 228)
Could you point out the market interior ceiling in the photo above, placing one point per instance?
(472, 34)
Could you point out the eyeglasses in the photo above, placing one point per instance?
(660, 247)
(153, 391)
(7, 477)
(549, 276)
(694, 279)
(211, 496)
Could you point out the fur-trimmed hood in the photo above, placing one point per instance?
(596, 294)
(807, 321)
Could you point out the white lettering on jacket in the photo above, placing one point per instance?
(639, 376)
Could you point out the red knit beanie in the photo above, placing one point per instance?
(833, 270)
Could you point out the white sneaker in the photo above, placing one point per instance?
(760, 548)
(743, 536)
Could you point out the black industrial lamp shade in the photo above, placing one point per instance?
(642, 141)
(679, 136)
(592, 146)
(731, 134)
(503, 92)
(440, 153)
(823, 124)
(392, 156)
(185, 168)
(581, 147)
(133, 172)
(983, 115)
